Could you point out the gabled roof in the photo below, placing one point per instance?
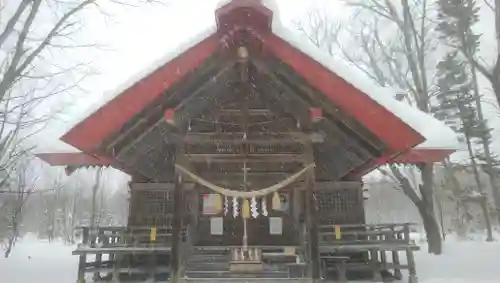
(399, 125)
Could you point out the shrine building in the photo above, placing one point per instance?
(246, 154)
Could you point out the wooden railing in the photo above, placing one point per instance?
(120, 244)
(365, 233)
(340, 244)
(115, 236)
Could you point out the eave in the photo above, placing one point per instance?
(413, 156)
(74, 159)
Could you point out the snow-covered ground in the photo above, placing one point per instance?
(462, 262)
(38, 261)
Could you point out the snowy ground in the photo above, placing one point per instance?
(463, 262)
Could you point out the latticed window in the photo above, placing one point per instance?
(339, 206)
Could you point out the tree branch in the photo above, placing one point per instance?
(9, 27)
(405, 185)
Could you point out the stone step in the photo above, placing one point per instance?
(232, 274)
(205, 257)
(226, 267)
(208, 259)
(236, 280)
(208, 268)
(207, 262)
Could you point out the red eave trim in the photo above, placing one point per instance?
(388, 127)
(73, 159)
(418, 155)
(88, 134)
(413, 156)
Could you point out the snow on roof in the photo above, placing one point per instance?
(183, 46)
(437, 134)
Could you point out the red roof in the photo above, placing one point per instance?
(91, 132)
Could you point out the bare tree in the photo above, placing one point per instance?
(95, 190)
(73, 208)
(19, 189)
(35, 35)
(396, 50)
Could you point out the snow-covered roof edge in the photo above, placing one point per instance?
(437, 134)
(150, 68)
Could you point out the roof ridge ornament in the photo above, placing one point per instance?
(244, 13)
(247, 1)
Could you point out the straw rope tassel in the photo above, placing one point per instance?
(245, 213)
(276, 201)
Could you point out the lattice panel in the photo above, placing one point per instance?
(343, 206)
(153, 208)
(150, 156)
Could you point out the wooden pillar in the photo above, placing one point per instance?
(311, 218)
(375, 266)
(83, 257)
(397, 270)
(412, 272)
(175, 253)
(98, 257)
(152, 267)
(395, 256)
(117, 267)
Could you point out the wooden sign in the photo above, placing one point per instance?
(338, 234)
(152, 234)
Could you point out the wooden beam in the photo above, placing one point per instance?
(262, 139)
(177, 224)
(157, 186)
(338, 185)
(239, 113)
(312, 219)
(240, 158)
(263, 179)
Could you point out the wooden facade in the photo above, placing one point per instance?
(247, 120)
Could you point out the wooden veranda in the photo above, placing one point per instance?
(346, 251)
